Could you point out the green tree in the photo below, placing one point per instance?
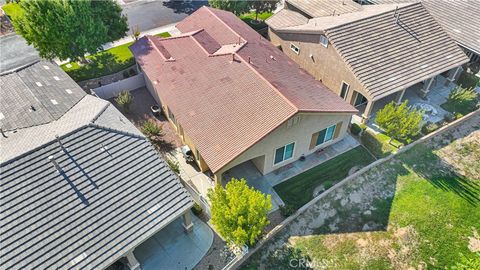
(124, 99)
(239, 212)
(70, 28)
(399, 121)
(236, 6)
(261, 6)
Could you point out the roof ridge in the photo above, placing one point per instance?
(126, 133)
(224, 23)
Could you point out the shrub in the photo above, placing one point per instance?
(151, 129)
(449, 117)
(197, 209)
(174, 166)
(239, 212)
(287, 210)
(328, 184)
(468, 80)
(363, 126)
(401, 122)
(374, 145)
(429, 127)
(461, 100)
(355, 129)
(124, 99)
(132, 72)
(125, 74)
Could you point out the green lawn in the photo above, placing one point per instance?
(298, 190)
(104, 63)
(13, 10)
(249, 18)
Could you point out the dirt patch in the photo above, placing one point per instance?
(474, 242)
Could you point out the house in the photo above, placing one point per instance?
(80, 186)
(233, 97)
(464, 31)
(366, 53)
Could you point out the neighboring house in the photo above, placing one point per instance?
(460, 19)
(366, 53)
(233, 97)
(80, 186)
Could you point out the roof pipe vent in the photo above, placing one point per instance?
(55, 163)
(3, 132)
(397, 18)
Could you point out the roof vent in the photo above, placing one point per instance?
(68, 91)
(55, 163)
(32, 108)
(38, 83)
(79, 258)
(46, 67)
(273, 58)
(54, 101)
(2, 116)
(56, 78)
(3, 133)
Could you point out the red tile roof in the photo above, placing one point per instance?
(226, 85)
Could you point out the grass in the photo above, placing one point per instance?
(13, 10)
(298, 190)
(249, 18)
(163, 35)
(104, 63)
(379, 144)
(430, 218)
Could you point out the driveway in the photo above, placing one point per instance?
(149, 15)
(172, 248)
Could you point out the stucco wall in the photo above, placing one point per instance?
(300, 133)
(326, 66)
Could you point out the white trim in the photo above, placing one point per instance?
(324, 142)
(294, 48)
(346, 93)
(283, 161)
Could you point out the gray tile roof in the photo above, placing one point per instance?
(460, 19)
(286, 18)
(36, 95)
(319, 8)
(389, 56)
(15, 53)
(112, 193)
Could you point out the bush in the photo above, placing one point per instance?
(174, 166)
(461, 100)
(374, 145)
(124, 99)
(287, 210)
(401, 122)
(429, 128)
(355, 129)
(151, 129)
(125, 74)
(468, 80)
(327, 184)
(449, 117)
(197, 209)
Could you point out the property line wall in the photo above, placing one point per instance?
(113, 89)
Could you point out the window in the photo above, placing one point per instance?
(294, 48)
(360, 100)
(344, 90)
(325, 135)
(284, 153)
(324, 41)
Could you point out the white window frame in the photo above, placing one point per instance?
(346, 93)
(324, 41)
(285, 148)
(326, 130)
(294, 48)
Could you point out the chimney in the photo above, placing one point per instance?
(55, 163)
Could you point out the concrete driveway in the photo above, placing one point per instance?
(149, 15)
(172, 248)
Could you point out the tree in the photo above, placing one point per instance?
(399, 121)
(239, 212)
(68, 28)
(261, 6)
(124, 99)
(236, 6)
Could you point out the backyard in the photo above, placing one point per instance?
(249, 18)
(420, 210)
(299, 189)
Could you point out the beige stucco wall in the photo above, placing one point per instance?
(326, 66)
(300, 133)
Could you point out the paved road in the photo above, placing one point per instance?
(153, 14)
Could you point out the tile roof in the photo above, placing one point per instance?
(113, 190)
(320, 8)
(15, 53)
(286, 18)
(245, 87)
(36, 95)
(385, 55)
(460, 19)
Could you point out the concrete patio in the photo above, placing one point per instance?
(173, 248)
(265, 183)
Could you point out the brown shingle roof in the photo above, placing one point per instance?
(226, 106)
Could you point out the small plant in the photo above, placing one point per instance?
(328, 184)
(136, 32)
(197, 209)
(124, 99)
(429, 127)
(355, 129)
(151, 129)
(174, 166)
(449, 117)
(125, 74)
(287, 210)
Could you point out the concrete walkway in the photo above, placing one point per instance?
(265, 183)
(172, 248)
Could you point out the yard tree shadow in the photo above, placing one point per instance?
(104, 63)
(186, 7)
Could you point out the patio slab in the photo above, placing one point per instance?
(265, 183)
(172, 248)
